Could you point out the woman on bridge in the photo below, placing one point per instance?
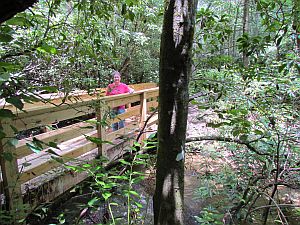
(117, 88)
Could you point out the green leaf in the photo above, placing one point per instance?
(86, 165)
(33, 147)
(4, 76)
(13, 141)
(52, 152)
(50, 89)
(19, 21)
(134, 193)
(47, 48)
(100, 182)
(137, 180)
(236, 132)
(37, 142)
(6, 113)
(215, 125)
(53, 145)
(61, 218)
(92, 121)
(124, 9)
(5, 37)
(8, 67)
(131, 192)
(258, 132)
(92, 201)
(87, 127)
(137, 144)
(151, 136)
(29, 98)
(14, 129)
(139, 205)
(26, 164)
(281, 67)
(106, 195)
(58, 159)
(234, 111)
(124, 162)
(143, 156)
(243, 137)
(15, 101)
(8, 156)
(97, 140)
(109, 186)
(131, 15)
(203, 107)
(75, 168)
(119, 177)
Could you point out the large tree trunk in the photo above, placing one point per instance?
(246, 30)
(9, 8)
(175, 69)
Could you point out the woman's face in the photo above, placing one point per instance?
(117, 79)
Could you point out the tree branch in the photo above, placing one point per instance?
(227, 139)
(9, 8)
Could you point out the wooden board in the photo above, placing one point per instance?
(50, 116)
(58, 136)
(123, 99)
(133, 111)
(128, 129)
(153, 120)
(53, 99)
(69, 152)
(9, 170)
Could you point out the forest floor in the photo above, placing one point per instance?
(204, 161)
(195, 166)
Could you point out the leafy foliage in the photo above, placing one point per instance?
(257, 106)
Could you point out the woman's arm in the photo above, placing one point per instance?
(131, 90)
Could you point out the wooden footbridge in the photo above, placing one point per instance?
(30, 176)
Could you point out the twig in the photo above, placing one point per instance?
(145, 124)
(272, 206)
(276, 205)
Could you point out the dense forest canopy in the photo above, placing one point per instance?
(245, 73)
(76, 44)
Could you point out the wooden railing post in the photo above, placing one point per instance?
(100, 128)
(10, 172)
(143, 113)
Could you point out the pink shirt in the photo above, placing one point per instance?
(112, 89)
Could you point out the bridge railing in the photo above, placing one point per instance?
(84, 117)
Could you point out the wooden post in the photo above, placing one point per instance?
(100, 128)
(10, 173)
(143, 113)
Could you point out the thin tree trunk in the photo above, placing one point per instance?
(234, 30)
(175, 69)
(296, 23)
(246, 30)
(296, 27)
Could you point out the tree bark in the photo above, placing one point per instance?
(296, 23)
(9, 8)
(235, 30)
(246, 30)
(175, 70)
